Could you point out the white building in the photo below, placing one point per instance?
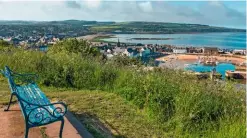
(179, 51)
(109, 56)
(236, 51)
(108, 51)
(126, 53)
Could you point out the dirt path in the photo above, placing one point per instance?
(12, 126)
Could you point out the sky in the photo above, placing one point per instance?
(216, 13)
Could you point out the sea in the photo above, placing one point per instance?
(227, 40)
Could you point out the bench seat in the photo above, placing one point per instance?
(37, 115)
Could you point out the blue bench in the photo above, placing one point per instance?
(36, 108)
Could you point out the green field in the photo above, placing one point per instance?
(105, 28)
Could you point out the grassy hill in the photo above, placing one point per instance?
(106, 114)
(128, 99)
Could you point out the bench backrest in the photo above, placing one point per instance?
(9, 75)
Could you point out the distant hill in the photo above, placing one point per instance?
(71, 22)
(160, 27)
(82, 27)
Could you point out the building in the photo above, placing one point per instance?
(210, 50)
(194, 50)
(118, 50)
(118, 43)
(126, 53)
(14, 41)
(239, 52)
(179, 51)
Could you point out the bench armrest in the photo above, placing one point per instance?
(59, 111)
(45, 113)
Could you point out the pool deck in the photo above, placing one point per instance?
(232, 73)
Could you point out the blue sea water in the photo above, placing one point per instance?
(220, 40)
(220, 68)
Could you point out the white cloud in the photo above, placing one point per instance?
(146, 6)
(212, 13)
(92, 3)
(215, 3)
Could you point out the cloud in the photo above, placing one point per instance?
(189, 13)
(217, 13)
(92, 3)
(146, 6)
(215, 3)
(73, 4)
(211, 12)
(234, 13)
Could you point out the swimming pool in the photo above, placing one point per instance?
(220, 68)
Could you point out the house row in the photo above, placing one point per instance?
(130, 52)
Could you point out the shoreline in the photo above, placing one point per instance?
(94, 36)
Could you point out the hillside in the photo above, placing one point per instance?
(173, 102)
(80, 27)
(159, 28)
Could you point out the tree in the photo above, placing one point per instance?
(4, 43)
(5, 46)
(120, 60)
(74, 45)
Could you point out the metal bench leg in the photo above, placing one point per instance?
(10, 101)
(61, 129)
(26, 132)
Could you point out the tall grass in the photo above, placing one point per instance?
(180, 103)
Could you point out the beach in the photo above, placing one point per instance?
(180, 60)
(91, 37)
(88, 37)
(194, 57)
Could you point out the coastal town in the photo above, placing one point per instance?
(164, 55)
(123, 69)
(179, 57)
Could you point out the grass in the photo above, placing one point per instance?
(42, 131)
(103, 114)
(158, 103)
(109, 115)
(106, 114)
(4, 92)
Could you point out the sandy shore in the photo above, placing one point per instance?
(181, 60)
(91, 37)
(88, 37)
(185, 57)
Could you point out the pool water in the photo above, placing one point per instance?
(220, 68)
